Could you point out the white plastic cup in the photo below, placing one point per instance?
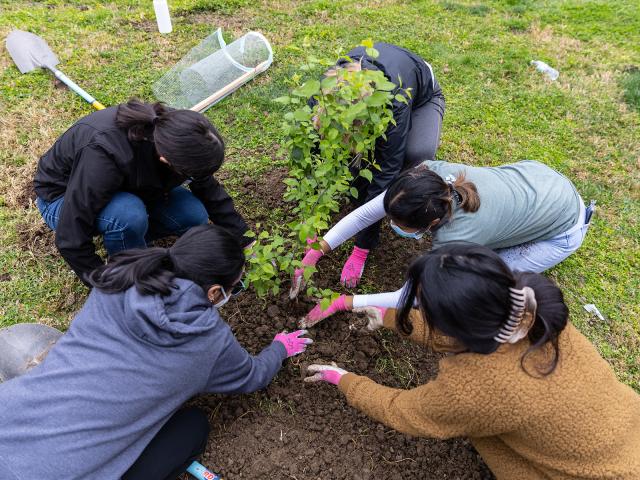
(162, 16)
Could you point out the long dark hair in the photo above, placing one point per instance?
(186, 139)
(207, 255)
(419, 196)
(462, 290)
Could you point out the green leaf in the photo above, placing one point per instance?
(372, 52)
(268, 268)
(308, 88)
(328, 83)
(308, 272)
(324, 303)
(354, 192)
(332, 134)
(291, 182)
(285, 100)
(401, 98)
(301, 114)
(386, 85)
(366, 174)
(377, 99)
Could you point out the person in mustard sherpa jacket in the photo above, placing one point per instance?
(529, 390)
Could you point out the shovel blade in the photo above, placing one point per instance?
(23, 346)
(29, 51)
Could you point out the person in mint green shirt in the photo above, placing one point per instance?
(530, 214)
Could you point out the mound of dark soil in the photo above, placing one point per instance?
(294, 430)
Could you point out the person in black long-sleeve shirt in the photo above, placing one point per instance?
(413, 139)
(119, 172)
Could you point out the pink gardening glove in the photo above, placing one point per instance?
(353, 267)
(310, 259)
(293, 342)
(375, 316)
(325, 373)
(317, 314)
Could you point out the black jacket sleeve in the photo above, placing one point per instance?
(94, 180)
(219, 206)
(390, 153)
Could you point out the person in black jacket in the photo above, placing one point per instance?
(413, 139)
(119, 172)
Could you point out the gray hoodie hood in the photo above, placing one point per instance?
(169, 320)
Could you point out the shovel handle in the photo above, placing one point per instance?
(77, 89)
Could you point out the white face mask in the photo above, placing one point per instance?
(236, 290)
(225, 299)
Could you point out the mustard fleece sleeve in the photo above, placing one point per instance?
(458, 402)
(420, 333)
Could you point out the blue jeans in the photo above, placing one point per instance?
(127, 222)
(542, 255)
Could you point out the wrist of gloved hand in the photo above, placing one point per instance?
(325, 373)
(353, 267)
(310, 259)
(317, 313)
(294, 343)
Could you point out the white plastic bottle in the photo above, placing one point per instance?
(162, 15)
(552, 73)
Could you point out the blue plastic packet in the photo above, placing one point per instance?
(200, 472)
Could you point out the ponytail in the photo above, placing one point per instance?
(149, 269)
(206, 255)
(186, 139)
(463, 291)
(469, 198)
(138, 118)
(551, 319)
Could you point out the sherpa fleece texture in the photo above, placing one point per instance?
(579, 422)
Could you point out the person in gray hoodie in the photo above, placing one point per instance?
(105, 401)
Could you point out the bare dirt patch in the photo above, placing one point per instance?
(36, 237)
(293, 430)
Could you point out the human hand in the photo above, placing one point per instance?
(353, 267)
(325, 373)
(293, 342)
(317, 314)
(375, 316)
(310, 259)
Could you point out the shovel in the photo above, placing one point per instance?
(29, 52)
(23, 346)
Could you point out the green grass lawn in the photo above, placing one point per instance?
(499, 109)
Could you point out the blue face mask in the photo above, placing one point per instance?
(417, 235)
